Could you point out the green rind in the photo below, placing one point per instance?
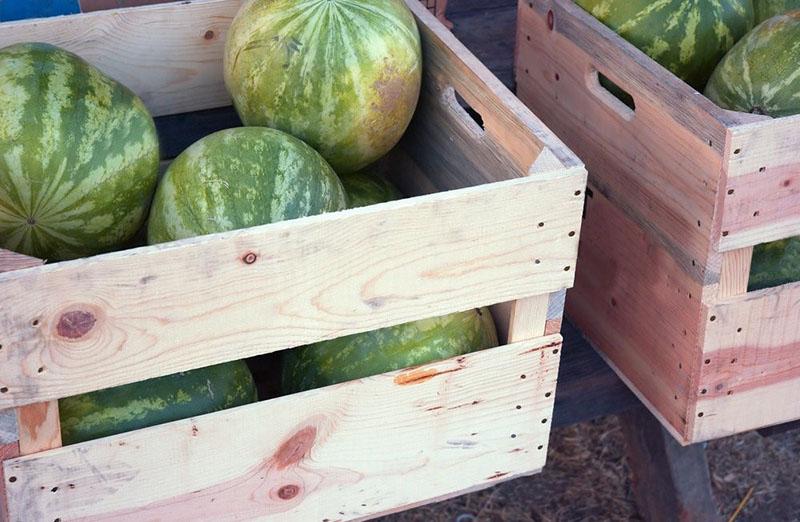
(761, 74)
(239, 178)
(78, 155)
(368, 188)
(342, 75)
(768, 8)
(370, 353)
(776, 263)
(155, 401)
(688, 37)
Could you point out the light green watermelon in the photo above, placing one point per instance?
(366, 188)
(155, 401)
(688, 37)
(761, 74)
(342, 75)
(768, 8)
(387, 349)
(775, 263)
(238, 178)
(78, 155)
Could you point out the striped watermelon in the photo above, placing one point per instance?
(761, 74)
(775, 263)
(386, 349)
(342, 75)
(365, 188)
(155, 401)
(78, 155)
(688, 37)
(238, 178)
(768, 8)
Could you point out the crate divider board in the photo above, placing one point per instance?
(494, 219)
(680, 192)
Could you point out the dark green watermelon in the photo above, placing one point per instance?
(78, 155)
(366, 188)
(776, 263)
(155, 401)
(768, 8)
(761, 74)
(688, 37)
(238, 178)
(379, 351)
(342, 75)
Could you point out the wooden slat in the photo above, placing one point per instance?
(152, 311)
(752, 378)
(39, 427)
(639, 307)
(7, 451)
(339, 453)
(735, 273)
(170, 54)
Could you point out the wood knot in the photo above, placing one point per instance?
(75, 324)
(296, 448)
(289, 491)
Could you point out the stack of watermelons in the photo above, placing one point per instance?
(714, 46)
(325, 89)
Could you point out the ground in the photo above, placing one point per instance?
(587, 479)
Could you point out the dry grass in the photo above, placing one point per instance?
(586, 479)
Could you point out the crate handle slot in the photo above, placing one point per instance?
(471, 118)
(610, 93)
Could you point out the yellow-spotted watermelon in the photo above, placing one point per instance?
(78, 155)
(761, 74)
(688, 37)
(342, 75)
(768, 8)
(370, 353)
(155, 401)
(238, 178)
(365, 188)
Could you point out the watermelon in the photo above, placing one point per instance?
(688, 37)
(78, 155)
(761, 74)
(365, 188)
(155, 401)
(775, 263)
(768, 8)
(370, 353)
(238, 178)
(342, 75)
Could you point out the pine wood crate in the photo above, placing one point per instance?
(494, 221)
(680, 192)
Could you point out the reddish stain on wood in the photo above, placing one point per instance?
(75, 324)
(288, 491)
(497, 475)
(7, 451)
(296, 448)
(421, 375)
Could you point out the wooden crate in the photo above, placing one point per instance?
(494, 221)
(680, 192)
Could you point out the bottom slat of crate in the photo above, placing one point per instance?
(750, 370)
(348, 451)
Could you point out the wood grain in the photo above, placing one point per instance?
(39, 427)
(152, 311)
(345, 452)
(735, 273)
(7, 451)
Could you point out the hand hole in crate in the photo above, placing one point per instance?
(471, 118)
(612, 95)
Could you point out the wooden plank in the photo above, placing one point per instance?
(555, 312)
(169, 54)
(132, 315)
(638, 306)
(344, 452)
(39, 427)
(488, 32)
(750, 367)
(10, 261)
(662, 163)
(527, 318)
(735, 272)
(671, 483)
(7, 451)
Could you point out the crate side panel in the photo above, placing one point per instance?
(131, 315)
(750, 376)
(762, 201)
(635, 304)
(349, 451)
(661, 164)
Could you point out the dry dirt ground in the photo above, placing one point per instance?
(587, 479)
